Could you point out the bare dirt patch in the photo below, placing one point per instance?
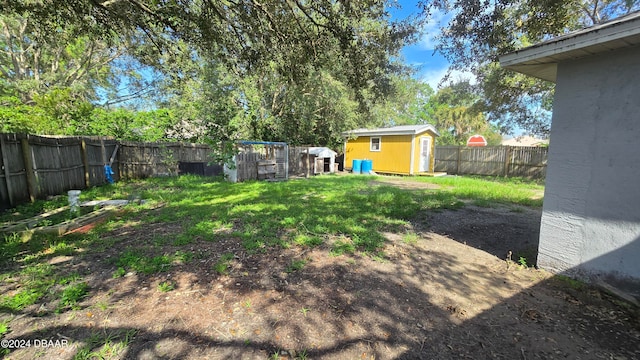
(499, 230)
(404, 184)
(445, 294)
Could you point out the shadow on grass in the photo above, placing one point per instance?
(427, 300)
(421, 305)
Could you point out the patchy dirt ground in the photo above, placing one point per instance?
(447, 294)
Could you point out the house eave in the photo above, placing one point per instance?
(541, 60)
(378, 133)
(383, 132)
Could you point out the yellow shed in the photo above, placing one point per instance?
(406, 150)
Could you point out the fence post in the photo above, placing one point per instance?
(507, 160)
(104, 151)
(28, 167)
(7, 172)
(113, 155)
(458, 160)
(308, 161)
(85, 163)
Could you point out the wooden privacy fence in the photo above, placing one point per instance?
(141, 160)
(36, 167)
(301, 164)
(297, 164)
(247, 165)
(512, 161)
(261, 160)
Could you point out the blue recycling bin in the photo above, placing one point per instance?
(367, 166)
(357, 166)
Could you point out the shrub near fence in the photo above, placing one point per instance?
(512, 161)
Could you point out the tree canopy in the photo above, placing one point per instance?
(478, 31)
(296, 70)
(299, 71)
(450, 110)
(245, 35)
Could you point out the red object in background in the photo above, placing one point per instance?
(477, 140)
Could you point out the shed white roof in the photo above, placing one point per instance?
(323, 152)
(541, 60)
(395, 130)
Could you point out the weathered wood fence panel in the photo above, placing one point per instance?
(482, 161)
(446, 159)
(141, 160)
(247, 165)
(38, 166)
(13, 177)
(251, 161)
(98, 153)
(300, 164)
(137, 160)
(530, 162)
(298, 160)
(34, 167)
(57, 164)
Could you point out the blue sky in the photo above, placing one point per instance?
(432, 66)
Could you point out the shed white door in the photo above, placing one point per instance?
(425, 154)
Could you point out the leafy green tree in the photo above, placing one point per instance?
(315, 111)
(203, 96)
(479, 31)
(407, 105)
(51, 78)
(56, 112)
(218, 105)
(125, 124)
(64, 112)
(33, 61)
(297, 70)
(17, 117)
(452, 110)
(247, 35)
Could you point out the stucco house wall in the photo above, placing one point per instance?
(592, 194)
(591, 214)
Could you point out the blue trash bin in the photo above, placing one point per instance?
(357, 166)
(367, 166)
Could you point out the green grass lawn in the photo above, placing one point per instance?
(348, 210)
(485, 191)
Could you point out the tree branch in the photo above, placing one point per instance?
(274, 26)
(127, 97)
(308, 15)
(16, 65)
(304, 30)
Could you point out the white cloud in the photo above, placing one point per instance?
(432, 28)
(433, 77)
